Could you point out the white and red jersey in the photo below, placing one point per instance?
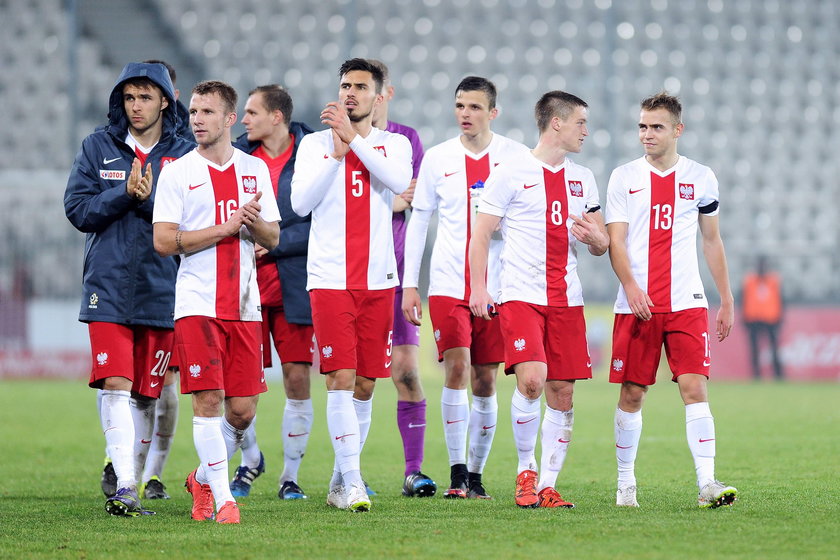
(662, 209)
(451, 181)
(351, 245)
(219, 281)
(534, 200)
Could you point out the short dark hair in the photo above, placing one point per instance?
(363, 65)
(144, 82)
(275, 97)
(664, 100)
(225, 91)
(476, 83)
(555, 104)
(386, 75)
(169, 67)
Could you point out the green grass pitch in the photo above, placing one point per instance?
(777, 443)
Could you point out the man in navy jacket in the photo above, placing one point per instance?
(287, 316)
(128, 290)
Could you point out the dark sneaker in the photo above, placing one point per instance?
(240, 486)
(109, 479)
(125, 503)
(291, 491)
(155, 490)
(476, 489)
(419, 485)
(458, 482)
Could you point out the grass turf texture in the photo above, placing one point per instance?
(777, 443)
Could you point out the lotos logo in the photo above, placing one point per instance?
(112, 174)
(519, 344)
(687, 191)
(576, 188)
(437, 335)
(327, 351)
(195, 370)
(102, 358)
(249, 183)
(618, 364)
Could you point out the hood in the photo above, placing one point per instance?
(157, 73)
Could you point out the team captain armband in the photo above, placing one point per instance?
(709, 208)
(593, 209)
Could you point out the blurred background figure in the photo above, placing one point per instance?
(762, 307)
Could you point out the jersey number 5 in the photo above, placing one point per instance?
(358, 184)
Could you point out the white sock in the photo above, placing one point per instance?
(232, 436)
(525, 419)
(118, 426)
(455, 409)
(343, 426)
(483, 417)
(700, 432)
(166, 418)
(628, 430)
(556, 436)
(364, 411)
(143, 416)
(212, 453)
(297, 423)
(249, 446)
(99, 412)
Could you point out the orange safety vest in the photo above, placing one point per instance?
(762, 298)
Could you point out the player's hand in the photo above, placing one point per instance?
(408, 194)
(587, 230)
(482, 305)
(335, 116)
(724, 321)
(259, 250)
(139, 186)
(340, 148)
(251, 211)
(640, 302)
(411, 307)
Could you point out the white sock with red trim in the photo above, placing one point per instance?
(455, 409)
(556, 436)
(213, 455)
(628, 431)
(700, 433)
(525, 419)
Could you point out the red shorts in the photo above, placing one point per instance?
(456, 327)
(354, 330)
(637, 345)
(138, 353)
(293, 342)
(555, 336)
(215, 354)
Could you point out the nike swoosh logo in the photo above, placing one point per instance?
(388, 364)
(326, 156)
(530, 186)
(561, 440)
(701, 440)
(488, 427)
(216, 463)
(637, 190)
(454, 421)
(588, 364)
(106, 161)
(145, 441)
(621, 447)
(526, 421)
(706, 363)
(344, 436)
(290, 434)
(410, 425)
(450, 174)
(155, 384)
(193, 187)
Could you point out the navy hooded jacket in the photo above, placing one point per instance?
(125, 281)
(291, 252)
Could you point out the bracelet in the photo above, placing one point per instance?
(178, 242)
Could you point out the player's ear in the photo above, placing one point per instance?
(494, 112)
(231, 120)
